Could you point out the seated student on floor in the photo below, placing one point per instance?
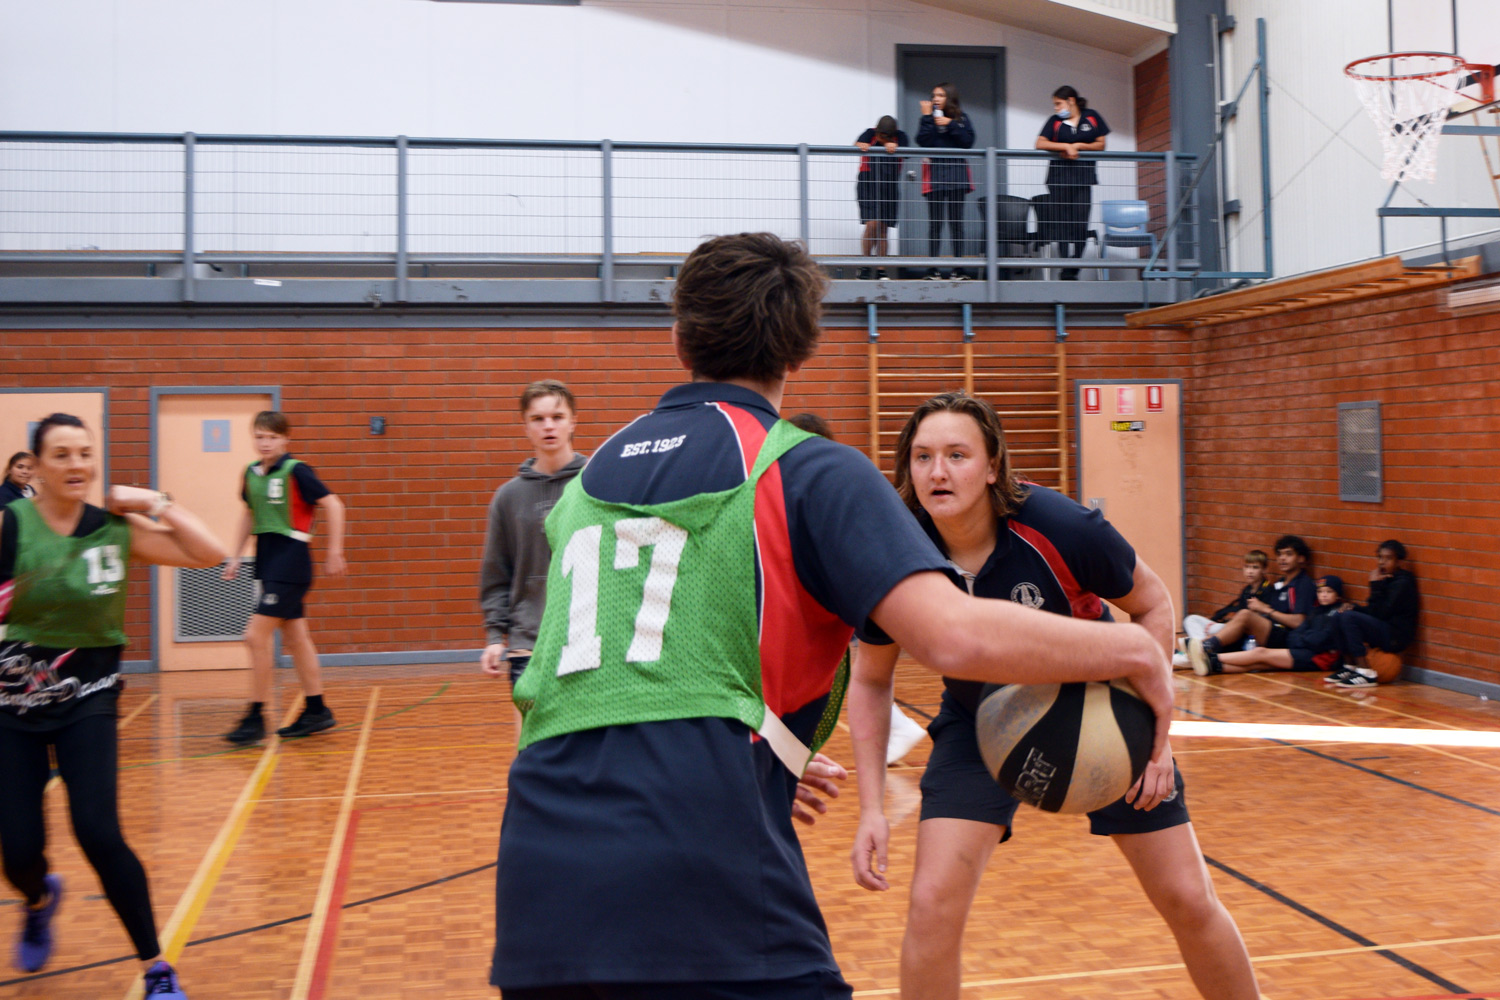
(1256, 586)
(1268, 622)
(1313, 645)
(1383, 627)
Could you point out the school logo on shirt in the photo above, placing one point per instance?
(1028, 594)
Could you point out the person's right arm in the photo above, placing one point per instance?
(1001, 642)
(871, 686)
(236, 551)
(494, 590)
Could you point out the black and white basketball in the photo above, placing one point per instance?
(1068, 748)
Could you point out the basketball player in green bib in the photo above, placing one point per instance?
(709, 565)
(282, 497)
(64, 566)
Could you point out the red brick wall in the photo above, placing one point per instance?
(1262, 457)
(1153, 129)
(417, 495)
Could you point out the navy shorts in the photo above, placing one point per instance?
(517, 667)
(1278, 637)
(956, 785)
(813, 986)
(279, 599)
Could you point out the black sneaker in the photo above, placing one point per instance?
(880, 274)
(866, 274)
(307, 723)
(931, 275)
(1338, 675)
(252, 729)
(1355, 680)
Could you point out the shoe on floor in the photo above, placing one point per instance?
(307, 723)
(880, 274)
(905, 734)
(1180, 660)
(1204, 660)
(161, 983)
(866, 274)
(1340, 674)
(1356, 680)
(251, 729)
(35, 945)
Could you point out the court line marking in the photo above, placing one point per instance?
(392, 795)
(1295, 956)
(138, 710)
(1337, 734)
(194, 899)
(314, 958)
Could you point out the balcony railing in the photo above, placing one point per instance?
(405, 209)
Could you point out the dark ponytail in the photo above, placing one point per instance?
(1065, 92)
(49, 422)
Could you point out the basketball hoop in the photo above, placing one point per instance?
(1408, 96)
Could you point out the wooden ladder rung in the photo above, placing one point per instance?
(913, 357)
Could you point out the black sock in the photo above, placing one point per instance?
(315, 703)
(257, 708)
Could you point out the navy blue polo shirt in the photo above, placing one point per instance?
(280, 557)
(1059, 128)
(664, 851)
(1297, 596)
(1054, 554)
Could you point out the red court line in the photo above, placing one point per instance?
(329, 940)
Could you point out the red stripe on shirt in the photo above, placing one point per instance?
(801, 642)
(1083, 603)
(302, 511)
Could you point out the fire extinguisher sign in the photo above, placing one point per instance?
(1091, 399)
(1153, 399)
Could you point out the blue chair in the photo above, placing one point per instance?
(1125, 226)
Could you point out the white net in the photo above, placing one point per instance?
(1408, 96)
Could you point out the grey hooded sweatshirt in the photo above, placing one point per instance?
(513, 571)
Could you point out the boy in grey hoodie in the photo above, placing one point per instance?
(513, 570)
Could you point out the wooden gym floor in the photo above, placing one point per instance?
(358, 863)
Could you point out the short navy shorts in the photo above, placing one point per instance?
(812, 986)
(517, 667)
(1278, 637)
(279, 599)
(956, 785)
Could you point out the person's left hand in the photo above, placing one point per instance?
(1157, 784)
(941, 121)
(1258, 606)
(335, 565)
(891, 147)
(1072, 151)
(820, 776)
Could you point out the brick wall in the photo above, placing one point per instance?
(1153, 130)
(1261, 401)
(1262, 457)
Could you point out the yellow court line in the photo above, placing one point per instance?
(1295, 956)
(138, 710)
(210, 758)
(391, 795)
(179, 926)
(1379, 735)
(303, 981)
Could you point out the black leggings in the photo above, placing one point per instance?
(945, 204)
(86, 759)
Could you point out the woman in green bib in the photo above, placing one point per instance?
(63, 572)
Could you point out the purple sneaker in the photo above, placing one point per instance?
(35, 946)
(161, 983)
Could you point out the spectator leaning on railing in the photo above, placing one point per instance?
(1074, 128)
(879, 187)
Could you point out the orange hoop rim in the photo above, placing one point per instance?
(1485, 73)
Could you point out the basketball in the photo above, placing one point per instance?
(1068, 748)
(1387, 666)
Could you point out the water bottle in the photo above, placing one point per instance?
(1249, 642)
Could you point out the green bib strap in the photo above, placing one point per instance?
(651, 614)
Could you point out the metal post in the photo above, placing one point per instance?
(189, 146)
(1172, 200)
(402, 287)
(991, 236)
(804, 224)
(1265, 146)
(968, 314)
(607, 226)
(1060, 320)
(874, 359)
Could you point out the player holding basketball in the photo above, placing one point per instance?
(709, 565)
(282, 496)
(1020, 543)
(63, 572)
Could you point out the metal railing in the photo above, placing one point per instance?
(410, 207)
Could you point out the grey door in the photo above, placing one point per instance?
(979, 74)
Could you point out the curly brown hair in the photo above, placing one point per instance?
(1007, 493)
(748, 306)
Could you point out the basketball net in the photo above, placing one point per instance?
(1408, 96)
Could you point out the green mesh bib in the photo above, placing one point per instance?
(270, 496)
(69, 592)
(651, 615)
